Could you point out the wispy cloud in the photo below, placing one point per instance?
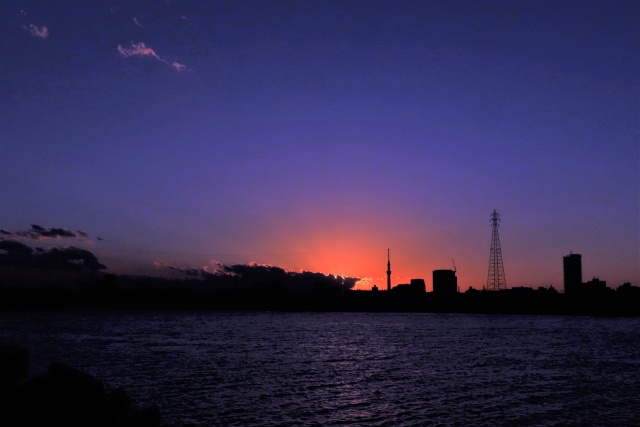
(214, 267)
(38, 232)
(178, 66)
(135, 21)
(35, 31)
(161, 264)
(140, 49)
(259, 264)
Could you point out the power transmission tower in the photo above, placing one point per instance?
(496, 280)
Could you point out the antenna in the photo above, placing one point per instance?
(388, 270)
(454, 266)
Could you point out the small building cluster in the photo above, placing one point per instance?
(444, 282)
(573, 284)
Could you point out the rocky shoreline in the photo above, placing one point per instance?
(63, 396)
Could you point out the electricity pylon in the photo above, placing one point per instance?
(495, 280)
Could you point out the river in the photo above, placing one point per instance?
(336, 369)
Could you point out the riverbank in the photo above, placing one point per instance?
(63, 396)
(543, 301)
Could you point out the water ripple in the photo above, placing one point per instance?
(337, 369)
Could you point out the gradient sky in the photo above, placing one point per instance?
(314, 135)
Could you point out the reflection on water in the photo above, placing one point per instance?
(271, 369)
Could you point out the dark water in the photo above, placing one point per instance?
(271, 369)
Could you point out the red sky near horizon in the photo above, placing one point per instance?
(314, 135)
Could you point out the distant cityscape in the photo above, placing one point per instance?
(577, 297)
(71, 278)
(445, 282)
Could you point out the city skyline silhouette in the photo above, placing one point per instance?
(314, 136)
(35, 263)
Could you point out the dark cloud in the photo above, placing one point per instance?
(256, 275)
(58, 232)
(13, 253)
(72, 256)
(6, 233)
(38, 232)
(15, 250)
(194, 272)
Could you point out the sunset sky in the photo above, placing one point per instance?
(314, 135)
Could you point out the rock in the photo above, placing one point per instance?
(149, 417)
(14, 364)
(116, 404)
(64, 396)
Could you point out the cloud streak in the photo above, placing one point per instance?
(35, 31)
(14, 253)
(140, 49)
(254, 275)
(178, 66)
(214, 268)
(38, 232)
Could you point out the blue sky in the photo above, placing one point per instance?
(314, 135)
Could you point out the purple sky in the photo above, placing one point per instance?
(314, 135)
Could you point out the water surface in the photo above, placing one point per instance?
(330, 369)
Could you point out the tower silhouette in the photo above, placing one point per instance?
(388, 271)
(495, 280)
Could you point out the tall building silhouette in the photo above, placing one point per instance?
(445, 282)
(388, 270)
(572, 268)
(496, 279)
(418, 286)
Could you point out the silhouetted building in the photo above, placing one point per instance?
(595, 285)
(445, 282)
(403, 288)
(415, 287)
(572, 267)
(418, 286)
(629, 292)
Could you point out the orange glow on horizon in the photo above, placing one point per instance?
(352, 247)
